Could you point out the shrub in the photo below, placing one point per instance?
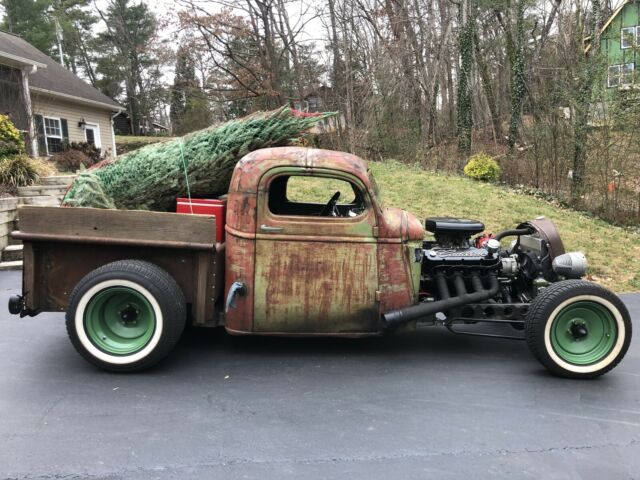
(11, 142)
(44, 167)
(18, 171)
(71, 160)
(93, 154)
(482, 167)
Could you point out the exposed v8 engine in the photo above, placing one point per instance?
(453, 248)
(458, 270)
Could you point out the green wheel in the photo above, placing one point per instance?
(120, 320)
(126, 315)
(578, 329)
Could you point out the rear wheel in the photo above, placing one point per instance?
(126, 316)
(578, 329)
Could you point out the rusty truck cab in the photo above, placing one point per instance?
(314, 268)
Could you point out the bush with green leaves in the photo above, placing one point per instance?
(71, 160)
(11, 142)
(18, 171)
(89, 150)
(482, 167)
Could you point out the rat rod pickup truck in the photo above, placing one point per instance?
(130, 280)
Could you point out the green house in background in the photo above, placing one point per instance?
(620, 44)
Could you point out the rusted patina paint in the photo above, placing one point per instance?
(252, 166)
(399, 224)
(318, 275)
(399, 272)
(395, 277)
(315, 287)
(241, 212)
(240, 267)
(316, 226)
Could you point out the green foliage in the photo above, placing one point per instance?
(189, 106)
(152, 177)
(482, 167)
(11, 142)
(465, 100)
(70, 160)
(517, 75)
(129, 55)
(17, 171)
(16, 168)
(93, 153)
(77, 24)
(28, 18)
(76, 156)
(129, 143)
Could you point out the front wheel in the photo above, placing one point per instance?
(578, 329)
(126, 316)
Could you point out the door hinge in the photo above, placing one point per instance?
(376, 231)
(378, 295)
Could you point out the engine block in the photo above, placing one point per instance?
(470, 257)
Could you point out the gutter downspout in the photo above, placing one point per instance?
(113, 134)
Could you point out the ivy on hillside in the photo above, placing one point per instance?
(588, 80)
(465, 102)
(517, 76)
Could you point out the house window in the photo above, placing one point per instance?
(627, 37)
(53, 135)
(620, 75)
(613, 78)
(627, 73)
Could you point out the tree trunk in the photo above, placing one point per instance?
(487, 86)
(582, 105)
(517, 75)
(465, 102)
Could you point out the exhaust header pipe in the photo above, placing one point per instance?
(395, 318)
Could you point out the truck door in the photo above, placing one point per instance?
(316, 265)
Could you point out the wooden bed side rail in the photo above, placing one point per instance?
(124, 227)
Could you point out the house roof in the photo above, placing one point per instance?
(50, 77)
(316, 90)
(615, 13)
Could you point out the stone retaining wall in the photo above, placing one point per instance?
(8, 214)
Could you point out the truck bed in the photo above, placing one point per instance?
(62, 245)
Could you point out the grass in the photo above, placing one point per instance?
(140, 139)
(613, 252)
(128, 143)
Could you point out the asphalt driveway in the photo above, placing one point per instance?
(429, 405)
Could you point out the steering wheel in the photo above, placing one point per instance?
(330, 208)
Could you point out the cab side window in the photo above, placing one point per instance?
(315, 196)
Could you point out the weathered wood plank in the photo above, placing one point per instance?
(29, 286)
(117, 224)
(203, 266)
(59, 268)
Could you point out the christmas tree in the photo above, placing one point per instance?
(199, 164)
